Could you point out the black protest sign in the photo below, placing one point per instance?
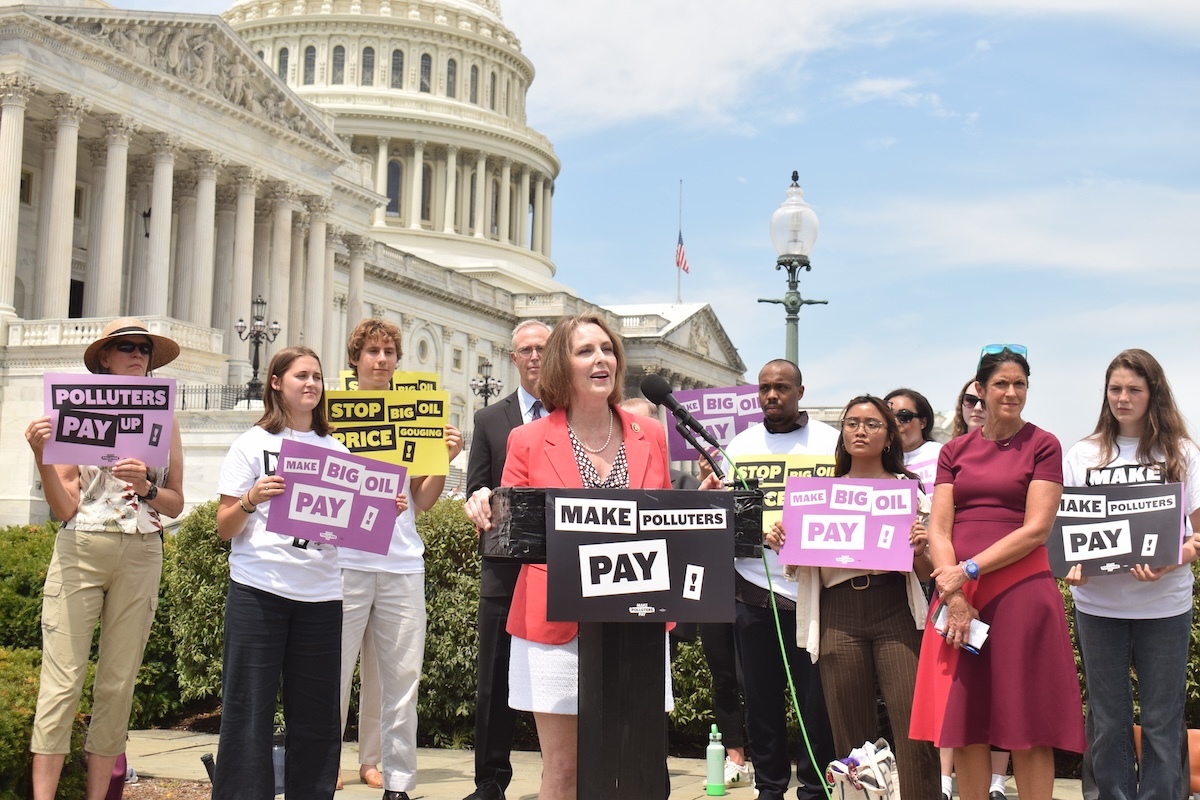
(1109, 529)
(626, 555)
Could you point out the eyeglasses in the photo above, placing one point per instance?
(970, 401)
(905, 416)
(871, 424)
(996, 349)
(527, 352)
(129, 347)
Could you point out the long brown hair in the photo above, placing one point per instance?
(960, 420)
(274, 418)
(893, 453)
(554, 380)
(1164, 430)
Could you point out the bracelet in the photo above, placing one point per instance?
(243, 500)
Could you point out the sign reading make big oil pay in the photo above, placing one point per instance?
(617, 555)
(400, 427)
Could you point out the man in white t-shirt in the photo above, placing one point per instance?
(785, 429)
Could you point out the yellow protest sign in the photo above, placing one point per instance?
(401, 380)
(772, 472)
(405, 427)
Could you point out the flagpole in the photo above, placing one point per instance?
(678, 271)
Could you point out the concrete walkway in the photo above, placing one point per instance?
(444, 774)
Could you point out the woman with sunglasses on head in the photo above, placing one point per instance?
(283, 610)
(106, 566)
(863, 627)
(1143, 618)
(997, 494)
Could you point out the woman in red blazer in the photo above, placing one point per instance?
(585, 441)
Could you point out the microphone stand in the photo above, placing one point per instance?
(686, 432)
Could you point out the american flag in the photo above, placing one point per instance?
(680, 256)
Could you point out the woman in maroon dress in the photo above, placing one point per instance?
(997, 492)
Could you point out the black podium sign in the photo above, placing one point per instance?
(1109, 529)
(626, 555)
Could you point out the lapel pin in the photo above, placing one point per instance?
(636, 428)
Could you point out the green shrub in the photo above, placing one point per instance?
(25, 552)
(19, 670)
(156, 695)
(194, 583)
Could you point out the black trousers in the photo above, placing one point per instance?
(720, 651)
(495, 722)
(764, 672)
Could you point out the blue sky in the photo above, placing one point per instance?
(1019, 171)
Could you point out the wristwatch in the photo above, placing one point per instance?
(972, 569)
(150, 495)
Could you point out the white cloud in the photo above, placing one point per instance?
(866, 90)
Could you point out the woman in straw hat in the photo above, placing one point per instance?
(106, 566)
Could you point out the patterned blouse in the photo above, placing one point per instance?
(618, 476)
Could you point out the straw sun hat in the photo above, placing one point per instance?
(165, 350)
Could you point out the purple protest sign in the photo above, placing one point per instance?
(100, 419)
(926, 472)
(335, 497)
(849, 522)
(723, 412)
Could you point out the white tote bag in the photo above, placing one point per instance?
(868, 773)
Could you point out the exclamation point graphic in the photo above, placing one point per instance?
(693, 582)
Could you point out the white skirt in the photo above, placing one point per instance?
(556, 688)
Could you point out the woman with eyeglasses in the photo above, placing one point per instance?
(997, 494)
(106, 566)
(1141, 618)
(969, 412)
(863, 627)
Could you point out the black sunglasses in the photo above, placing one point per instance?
(905, 416)
(129, 347)
(970, 400)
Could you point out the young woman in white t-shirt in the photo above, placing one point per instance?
(1142, 618)
(283, 611)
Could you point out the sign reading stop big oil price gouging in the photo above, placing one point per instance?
(1109, 529)
(772, 472)
(618, 555)
(100, 419)
(332, 497)
(402, 380)
(723, 412)
(399, 427)
(849, 522)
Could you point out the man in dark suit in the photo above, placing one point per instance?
(494, 720)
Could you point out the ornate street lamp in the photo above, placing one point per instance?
(485, 385)
(793, 232)
(258, 333)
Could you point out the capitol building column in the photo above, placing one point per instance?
(222, 287)
(14, 95)
(294, 312)
(505, 199)
(548, 202)
(48, 132)
(523, 209)
(248, 180)
(120, 130)
(481, 193)
(200, 303)
(56, 300)
(359, 246)
(416, 196)
(152, 295)
(98, 152)
(535, 242)
(451, 187)
(284, 197)
(185, 243)
(315, 297)
(381, 160)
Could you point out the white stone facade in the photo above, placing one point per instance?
(155, 165)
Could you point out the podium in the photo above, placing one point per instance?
(622, 563)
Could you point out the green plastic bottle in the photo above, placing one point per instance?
(714, 756)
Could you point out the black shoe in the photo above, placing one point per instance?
(489, 791)
(946, 795)
(996, 794)
(395, 795)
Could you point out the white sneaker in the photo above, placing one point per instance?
(736, 773)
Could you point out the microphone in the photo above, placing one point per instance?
(658, 391)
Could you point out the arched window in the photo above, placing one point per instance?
(495, 226)
(395, 172)
(474, 96)
(397, 69)
(339, 66)
(283, 63)
(310, 65)
(368, 66)
(261, 56)
(426, 73)
(451, 78)
(426, 193)
(492, 91)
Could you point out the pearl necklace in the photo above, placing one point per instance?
(583, 444)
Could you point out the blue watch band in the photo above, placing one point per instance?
(972, 569)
